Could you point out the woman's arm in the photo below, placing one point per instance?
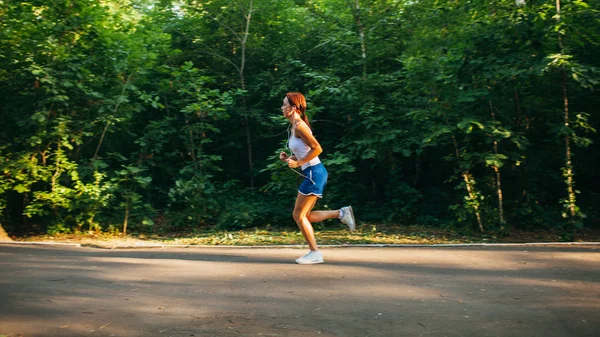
(283, 156)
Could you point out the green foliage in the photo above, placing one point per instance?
(128, 182)
(135, 113)
(192, 197)
(241, 208)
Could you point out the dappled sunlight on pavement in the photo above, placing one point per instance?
(64, 291)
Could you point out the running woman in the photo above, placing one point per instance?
(305, 154)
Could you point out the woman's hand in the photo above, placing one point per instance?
(283, 156)
(292, 163)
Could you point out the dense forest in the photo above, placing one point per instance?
(141, 115)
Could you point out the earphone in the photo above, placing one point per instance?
(287, 146)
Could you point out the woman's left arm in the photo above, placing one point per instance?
(304, 133)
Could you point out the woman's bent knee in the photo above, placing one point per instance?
(298, 217)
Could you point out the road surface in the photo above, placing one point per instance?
(549, 291)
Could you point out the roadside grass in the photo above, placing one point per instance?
(365, 234)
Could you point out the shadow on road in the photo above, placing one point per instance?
(471, 291)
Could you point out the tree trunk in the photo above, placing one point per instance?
(497, 171)
(468, 181)
(568, 163)
(126, 218)
(500, 198)
(568, 173)
(243, 84)
(114, 113)
(240, 69)
(361, 33)
(192, 145)
(3, 235)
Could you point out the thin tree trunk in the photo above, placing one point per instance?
(101, 139)
(192, 150)
(126, 217)
(497, 170)
(243, 84)
(519, 121)
(468, 181)
(240, 69)
(500, 198)
(568, 162)
(3, 235)
(361, 33)
(57, 170)
(108, 123)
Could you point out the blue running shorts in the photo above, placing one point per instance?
(315, 179)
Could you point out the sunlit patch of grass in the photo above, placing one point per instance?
(365, 234)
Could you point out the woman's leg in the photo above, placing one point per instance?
(318, 216)
(347, 217)
(304, 204)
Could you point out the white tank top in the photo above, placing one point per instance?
(300, 150)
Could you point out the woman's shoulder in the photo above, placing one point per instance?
(301, 128)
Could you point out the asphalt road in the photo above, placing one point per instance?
(549, 291)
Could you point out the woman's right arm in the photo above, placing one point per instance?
(283, 156)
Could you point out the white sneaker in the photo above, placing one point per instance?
(348, 217)
(314, 257)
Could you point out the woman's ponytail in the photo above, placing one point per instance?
(305, 118)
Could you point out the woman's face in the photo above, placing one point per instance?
(286, 108)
